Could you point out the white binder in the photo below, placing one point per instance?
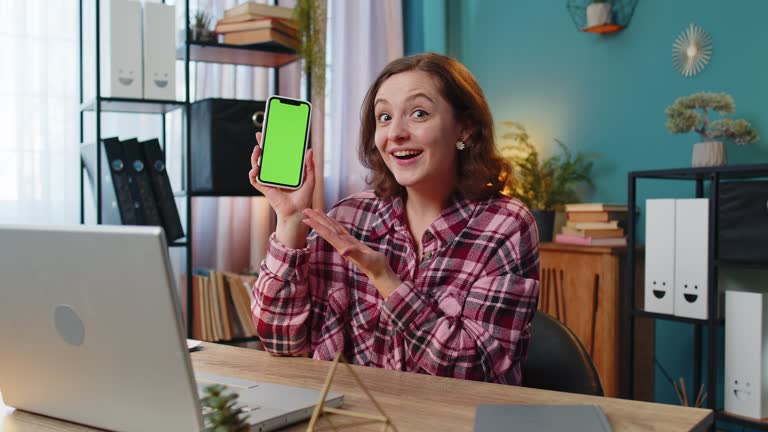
(691, 257)
(660, 255)
(159, 42)
(746, 353)
(120, 45)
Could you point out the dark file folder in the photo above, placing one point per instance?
(117, 206)
(161, 186)
(138, 172)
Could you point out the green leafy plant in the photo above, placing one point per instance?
(310, 16)
(202, 20)
(692, 114)
(220, 410)
(547, 184)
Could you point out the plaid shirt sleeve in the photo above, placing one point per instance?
(486, 337)
(281, 305)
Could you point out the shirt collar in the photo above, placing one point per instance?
(445, 228)
(453, 219)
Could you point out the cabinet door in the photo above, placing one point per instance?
(582, 287)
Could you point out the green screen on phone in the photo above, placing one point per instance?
(284, 137)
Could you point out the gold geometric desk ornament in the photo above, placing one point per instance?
(321, 409)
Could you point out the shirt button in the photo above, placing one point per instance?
(428, 255)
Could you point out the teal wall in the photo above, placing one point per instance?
(607, 94)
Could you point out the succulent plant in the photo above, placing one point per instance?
(220, 410)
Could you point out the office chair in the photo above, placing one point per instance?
(557, 360)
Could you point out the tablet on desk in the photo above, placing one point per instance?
(541, 418)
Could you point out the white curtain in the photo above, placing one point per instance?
(231, 233)
(39, 155)
(364, 36)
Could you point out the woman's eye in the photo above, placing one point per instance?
(420, 114)
(383, 117)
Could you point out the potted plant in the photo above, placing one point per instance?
(599, 12)
(543, 186)
(692, 114)
(310, 16)
(200, 27)
(220, 410)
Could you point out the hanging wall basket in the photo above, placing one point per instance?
(602, 17)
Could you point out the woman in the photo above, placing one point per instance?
(433, 271)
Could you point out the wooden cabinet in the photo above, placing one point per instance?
(584, 287)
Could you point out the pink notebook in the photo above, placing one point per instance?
(589, 241)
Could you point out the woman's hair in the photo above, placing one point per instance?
(482, 172)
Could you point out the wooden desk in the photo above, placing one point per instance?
(414, 402)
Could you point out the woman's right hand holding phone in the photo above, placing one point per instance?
(288, 204)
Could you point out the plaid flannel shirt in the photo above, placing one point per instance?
(463, 310)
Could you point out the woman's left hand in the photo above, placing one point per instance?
(374, 264)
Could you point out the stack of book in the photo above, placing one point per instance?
(221, 305)
(594, 224)
(255, 23)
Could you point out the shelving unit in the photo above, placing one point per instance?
(270, 55)
(712, 176)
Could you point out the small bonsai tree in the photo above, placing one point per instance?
(220, 412)
(543, 185)
(692, 114)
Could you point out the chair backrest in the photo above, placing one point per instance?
(557, 360)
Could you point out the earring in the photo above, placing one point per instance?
(460, 145)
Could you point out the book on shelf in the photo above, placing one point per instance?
(221, 305)
(261, 36)
(589, 241)
(257, 24)
(594, 233)
(611, 224)
(595, 207)
(595, 216)
(260, 9)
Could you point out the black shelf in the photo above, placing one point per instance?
(760, 265)
(239, 340)
(268, 54)
(128, 105)
(711, 177)
(255, 193)
(178, 243)
(741, 420)
(667, 317)
(724, 172)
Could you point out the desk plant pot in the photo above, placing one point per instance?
(709, 154)
(545, 221)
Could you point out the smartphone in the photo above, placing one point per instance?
(284, 138)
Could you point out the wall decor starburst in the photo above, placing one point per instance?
(692, 50)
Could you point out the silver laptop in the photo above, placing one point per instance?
(90, 332)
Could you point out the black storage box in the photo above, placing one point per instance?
(221, 143)
(743, 221)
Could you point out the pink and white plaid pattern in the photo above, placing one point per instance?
(464, 311)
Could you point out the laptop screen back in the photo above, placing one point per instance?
(90, 329)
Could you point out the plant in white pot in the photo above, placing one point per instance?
(692, 114)
(599, 12)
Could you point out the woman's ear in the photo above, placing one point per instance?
(466, 133)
